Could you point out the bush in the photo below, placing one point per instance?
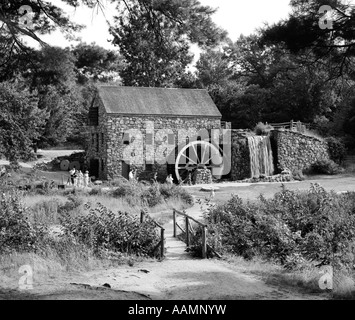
(102, 230)
(293, 228)
(72, 203)
(337, 149)
(152, 195)
(45, 211)
(172, 191)
(16, 231)
(325, 167)
(127, 189)
(95, 191)
(262, 129)
(116, 182)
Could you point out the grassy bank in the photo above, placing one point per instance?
(93, 223)
(299, 233)
(305, 280)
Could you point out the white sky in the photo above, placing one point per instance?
(235, 16)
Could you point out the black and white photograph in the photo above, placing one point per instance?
(177, 155)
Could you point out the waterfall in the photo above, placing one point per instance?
(261, 160)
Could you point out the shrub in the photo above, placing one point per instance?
(337, 149)
(325, 167)
(152, 195)
(16, 231)
(262, 129)
(103, 230)
(127, 189)
(45, 211)
(95, 191)
(116, 182)
(293, 228)
(169, 191)
(72, 203)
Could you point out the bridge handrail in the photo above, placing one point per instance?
(187, 231)
(161, 243)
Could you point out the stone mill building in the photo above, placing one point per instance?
(144, 122)
(157, 132)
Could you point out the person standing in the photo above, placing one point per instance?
(131, 175)
(212, 194)
(80, 179)
(86, 179)
(75, 176)
(72, 176)
(169, 179)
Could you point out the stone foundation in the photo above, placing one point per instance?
(202, 176)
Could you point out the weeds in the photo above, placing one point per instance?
(152, 195)
(294, 228)
(27, 220)
(102, 229)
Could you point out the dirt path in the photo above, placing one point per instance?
(178, 277)
(182, 277)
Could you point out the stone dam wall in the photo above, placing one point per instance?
(295, 151)
(291, 151)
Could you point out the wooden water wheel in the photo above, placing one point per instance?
(198, 155)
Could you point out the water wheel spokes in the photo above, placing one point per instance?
(197, 155)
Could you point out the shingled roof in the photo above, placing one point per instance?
(158, 101)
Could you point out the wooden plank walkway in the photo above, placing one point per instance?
(176, 249)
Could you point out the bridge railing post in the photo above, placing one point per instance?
(142, 216)
(204, 242)
(162, 245)
(187, 231)
(174, 223)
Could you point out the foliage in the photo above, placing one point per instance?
(43, 17)
(347, 121)
(139, 194)
(45, 211)
(16, 232)
(95, 191)
(128, 190)
(21, 121)
(262, 129)
(71, 204)
(325, 167)
(301, 32)
(337, 149)
(154, 38)
(172, 191)
(251, 80)
(152, 195)
(103, 230)
(51, 67)
(96, 63)
(52, 74)
(317, 226)
(213, 68)
(226, 96)
(49, 74)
